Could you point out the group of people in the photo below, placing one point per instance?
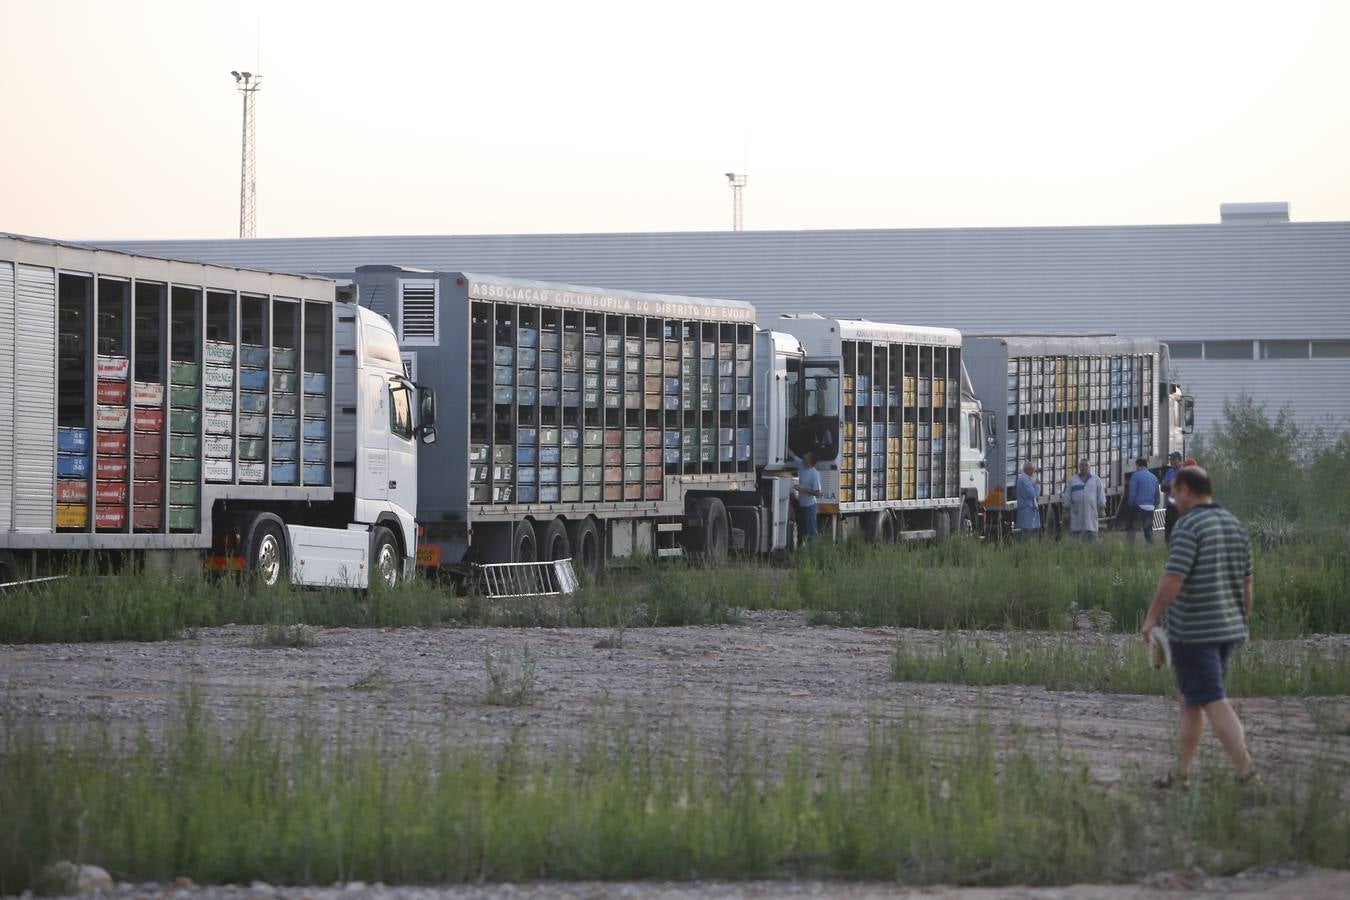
(1085, 499)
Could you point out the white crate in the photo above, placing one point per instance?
(112, 418)
(219, 377)
(218, 447)
(218, 423)
(148, 393)
(219, 353)
(252, 472)
(220, 400)
(218, 470)
(252, 426)
(114, 368)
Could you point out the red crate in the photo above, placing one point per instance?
(632, 492)
(654, 492)
(111, 493)
(112, 443)
(147, 493)
(651, 456)
(653, 438)
(613, 492)
(112, 392)
(651, 473)
(614, 457)
(112, 468)
(148, 468)
(72, 490)
(110, 517)
(150, 445)
(613, 437)
(147, 518)
(613, 473)
(148, 419)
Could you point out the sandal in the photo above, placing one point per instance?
(1169, 780)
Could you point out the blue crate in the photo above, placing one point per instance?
(528, 396)
(527, 435)
(550, 456)
(504, 355)
(527, 493)
(286, 428)
(571, 437)
(548, 493)
(253, 356)
(549, 379)
(526, 358)
(72, 440)
(672, 456)
(316, 429)
(284, 450)
(71, 465)
(549, 359)
(672, 439)
(525, 474)
(571, 398)
(284, 471)
(316, 451)
(316, 473)
(504, 394)
(550, 398)
(528, 377)
(503, 375)
(526, 455)
(256, 380)
(316, 383)
(742, 453)
(549, 475)
(253, 403)
(527, 337)
(571, 381)
(726, 453)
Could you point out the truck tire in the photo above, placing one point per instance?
(588, 554)
(942, 523)
(267, 558)
(746, 520)
(965, 525)
(555, 544)
(878, 526)
(714, 539)
(524, 544)
(386, 563)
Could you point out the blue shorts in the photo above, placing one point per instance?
(1200, 670)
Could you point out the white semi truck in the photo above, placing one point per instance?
(167, 408)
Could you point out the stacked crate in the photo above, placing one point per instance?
(72, 478)
(185, 411)
(316, 428)
(218, 419)
(592, 461)
(147, 487)
(251, 446)
(285, 447)
(111, 443)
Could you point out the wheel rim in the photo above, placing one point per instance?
(387, 565)
(268, 565)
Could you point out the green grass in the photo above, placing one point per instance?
(1060, 663)
(277, 803)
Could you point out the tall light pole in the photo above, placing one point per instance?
(737, 201)
(248, 84)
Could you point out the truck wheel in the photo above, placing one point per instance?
(524, 545)
(965, 526)
(588, 557)
(555, 544)
(386, 563)
(942, 524)
(267, 554)
(878, 526)
(888, 529)
(716, 532)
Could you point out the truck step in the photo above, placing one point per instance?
(669, 526)
(923, 534)
(669, 552)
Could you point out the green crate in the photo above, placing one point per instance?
(186, 373)
(184, 420)
(252, 448)
(183, 493)
(182, 518)
(185, 396)
(184, 445)
(184, 469)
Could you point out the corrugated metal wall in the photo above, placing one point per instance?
(1179, 282)
(35, 413)
(8, 380)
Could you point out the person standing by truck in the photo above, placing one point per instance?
(1085, 497)
(1141, 501)
(1205, 594)
(1170, 513)
(807, 490)
(1028, 513)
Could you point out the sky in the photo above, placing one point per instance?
(396, 117)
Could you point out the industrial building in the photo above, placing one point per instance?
(1254, 303)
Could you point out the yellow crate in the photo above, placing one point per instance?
(845, 495)
(892, 492)
(908, 492)
(845, 479)
(848, 429)
(938, 429)
(72, 515)
(848, 382)
(909, 384)
(892, 445)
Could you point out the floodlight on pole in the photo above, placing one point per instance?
(737, 200)
(248, 84)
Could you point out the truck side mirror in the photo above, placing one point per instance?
(428, 434)
(426, 404)
(1187, 414)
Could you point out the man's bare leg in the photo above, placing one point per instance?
(1228, 729)
(1192, 726)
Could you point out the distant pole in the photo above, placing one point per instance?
(248, 84)
(737, 201)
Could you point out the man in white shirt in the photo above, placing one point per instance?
(807, 490)
(1085, 497)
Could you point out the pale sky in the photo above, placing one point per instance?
(497, 116)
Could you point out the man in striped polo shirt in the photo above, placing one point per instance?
(1206, 593)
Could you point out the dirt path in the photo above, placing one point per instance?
(772, 677)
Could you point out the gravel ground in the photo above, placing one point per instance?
(773, 678)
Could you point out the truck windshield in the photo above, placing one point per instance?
(814, 411)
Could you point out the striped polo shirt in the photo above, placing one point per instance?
(1211, 551)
